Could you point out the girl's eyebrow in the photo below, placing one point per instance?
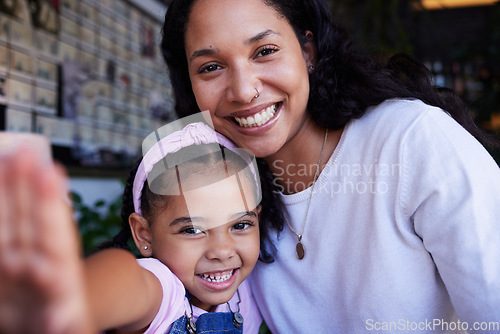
(251, 40)
(182, 220)
(240, 215)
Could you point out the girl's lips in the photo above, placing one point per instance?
(220, 281)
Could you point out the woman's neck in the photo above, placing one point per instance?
(294, 165)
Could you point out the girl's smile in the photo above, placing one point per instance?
(219, 280)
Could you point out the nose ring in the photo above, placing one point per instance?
(258, 93)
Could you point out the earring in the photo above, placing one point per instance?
(145, 247)
(311, 68)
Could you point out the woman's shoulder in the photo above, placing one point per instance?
(400, 117)
(401, 110)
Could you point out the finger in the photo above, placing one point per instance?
(56, 228)
(5, 227)
(22, 201)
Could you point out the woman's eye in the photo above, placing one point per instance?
(209, 68)
(267, 51)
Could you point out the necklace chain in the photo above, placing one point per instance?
(300, 251)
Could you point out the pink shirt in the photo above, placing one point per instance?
(174, 302)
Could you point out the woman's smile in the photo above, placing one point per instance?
(258, 119)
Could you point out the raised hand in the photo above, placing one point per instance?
(42, 287)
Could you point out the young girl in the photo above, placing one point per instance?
(195, 221)
(400, 228)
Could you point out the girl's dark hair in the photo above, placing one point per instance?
(345, 82)
(205, 164)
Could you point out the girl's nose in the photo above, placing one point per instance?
(220, 247)
(243, 85)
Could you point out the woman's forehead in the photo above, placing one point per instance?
(206, 14)
(215, 23)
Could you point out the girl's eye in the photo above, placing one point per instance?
(209, 68)
(267, 50)
(243, 225)
(191, 230)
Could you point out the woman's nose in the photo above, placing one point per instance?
(243, 85)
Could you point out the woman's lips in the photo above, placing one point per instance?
(258, 119)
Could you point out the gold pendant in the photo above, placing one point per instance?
(299, 249)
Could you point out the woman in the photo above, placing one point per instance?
(391, 206)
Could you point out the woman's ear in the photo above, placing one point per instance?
(309, 50)
(141, 232)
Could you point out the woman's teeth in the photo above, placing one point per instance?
(258, 119)
(219, 277)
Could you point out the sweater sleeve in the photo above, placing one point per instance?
(450, 190)
(172, 304)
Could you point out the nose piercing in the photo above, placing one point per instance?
(258, 93)
(255, 96)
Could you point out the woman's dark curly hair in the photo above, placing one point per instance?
(343, 85)
(345, 82)
(270, 213)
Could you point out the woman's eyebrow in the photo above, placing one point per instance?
(203, 52)
(251, 40)
(260, 36)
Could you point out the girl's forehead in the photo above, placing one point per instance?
(220, 202)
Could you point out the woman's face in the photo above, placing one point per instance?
(236, 47)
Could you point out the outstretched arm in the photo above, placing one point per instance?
(45, 286)
(41, 272)
(122, 294)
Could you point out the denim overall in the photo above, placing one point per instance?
(210, 323)
(218, 322)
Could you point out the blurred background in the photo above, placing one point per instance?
(88, 74)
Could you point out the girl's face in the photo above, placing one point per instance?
(235, 47)
(209, 238)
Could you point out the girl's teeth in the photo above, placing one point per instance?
(258, 119)
(220, 277)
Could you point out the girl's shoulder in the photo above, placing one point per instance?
(173, 300)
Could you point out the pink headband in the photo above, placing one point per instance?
(193, 134)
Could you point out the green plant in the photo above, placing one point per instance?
(97, 223)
